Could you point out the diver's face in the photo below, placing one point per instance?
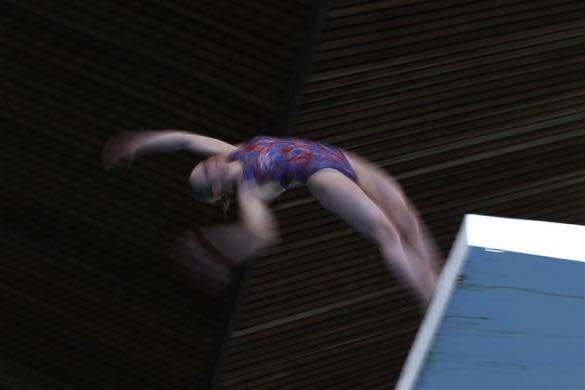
(210, 180)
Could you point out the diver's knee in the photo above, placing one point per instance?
(382, 231)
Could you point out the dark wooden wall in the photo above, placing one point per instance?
(476, 107)
(89, 296)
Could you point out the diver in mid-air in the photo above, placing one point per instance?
(361, 193)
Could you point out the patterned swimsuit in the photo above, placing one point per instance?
(285, 160)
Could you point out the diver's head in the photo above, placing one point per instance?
(214, 179)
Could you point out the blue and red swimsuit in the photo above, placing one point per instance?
(285, 160)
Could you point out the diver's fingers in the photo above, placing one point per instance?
(118, 149)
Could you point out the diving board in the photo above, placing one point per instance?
(508, 312)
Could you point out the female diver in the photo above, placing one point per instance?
(361, 193)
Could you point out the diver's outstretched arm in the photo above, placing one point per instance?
(127, 146)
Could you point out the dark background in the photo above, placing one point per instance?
(475, 106)
(90, 297)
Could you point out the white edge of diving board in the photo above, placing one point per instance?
(549, 239)
(555, 240)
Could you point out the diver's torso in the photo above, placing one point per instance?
(288, 162)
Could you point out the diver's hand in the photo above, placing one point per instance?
(119, 150)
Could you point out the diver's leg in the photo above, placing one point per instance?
(387, 193)
(341, 195)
